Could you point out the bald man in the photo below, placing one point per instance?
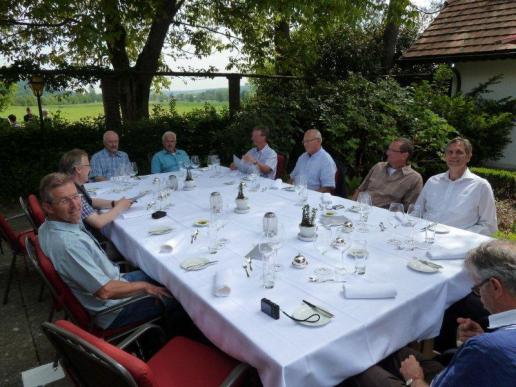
(109, 161)
(169, 159)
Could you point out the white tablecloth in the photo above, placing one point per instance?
(284, 352)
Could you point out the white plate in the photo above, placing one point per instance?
(201, 223)
(289, 189)
(354, 209)
(306, 239)
(160, 230)
(329, 213)
(421, 267)
(242, 211)
(194, 263)
(356, 252)
(441, 229)
(304, 311)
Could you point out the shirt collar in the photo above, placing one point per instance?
(502, 319)
(263, 149)
(467, 175)
(65, 226)
(404, 170)
(109, 154)
(319, 152)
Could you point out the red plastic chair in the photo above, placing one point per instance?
(16, 241)
(65, 299)
(35, 210)
(91, 361)
(281, 166)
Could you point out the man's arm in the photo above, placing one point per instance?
(100, 220)
(411, 369)
(115, 289)
(468, 328)
(155, 164)
(96, 169)
(487, 223)
(413, 192)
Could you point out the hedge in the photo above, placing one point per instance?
(503, 182)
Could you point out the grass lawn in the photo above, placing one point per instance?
(78, 111)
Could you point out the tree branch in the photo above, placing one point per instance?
(38, 25)
(213, 30)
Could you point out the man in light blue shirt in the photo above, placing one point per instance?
(83, 265)
(316, 165)
(109, 161)
(263, 156)
(169, 159)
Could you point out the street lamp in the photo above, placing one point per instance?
(37, 84)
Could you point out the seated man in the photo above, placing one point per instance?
(393, 181)
(169, 159)
(76, 165)
(458, 197)
(263, 156)
(315, 164)
(109, 161)
(485, 359)
(84, 267)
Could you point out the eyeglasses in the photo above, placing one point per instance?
(68, 199)
(476, 289)
(85, 165)
(312, 139)
(394, 150)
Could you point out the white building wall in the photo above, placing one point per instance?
(474, 73)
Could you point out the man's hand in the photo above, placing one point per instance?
(249, 158)
(123, 204)
(232, 166)
(157, 291)
(468, 329)
(410, 369)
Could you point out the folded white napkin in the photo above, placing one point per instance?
(133, 213)
(369, 290)
(447, 253)
(222, 283)
(278, 183)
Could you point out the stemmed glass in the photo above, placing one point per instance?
(396, 215)
(266, 251)
(275, 241)
(414, 217)
(195, 161)
(172, 183)
(134, 169)
(364, 200)
(340, 243)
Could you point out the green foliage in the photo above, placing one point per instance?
(508, 235)
(308, 217)
(27, 153)
(503, 182)
(6, 95)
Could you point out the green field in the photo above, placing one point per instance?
(78, 111)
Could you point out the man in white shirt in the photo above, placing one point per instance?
(458, 197)
(262, 156)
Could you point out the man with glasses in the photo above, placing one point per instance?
(169, 159)
(109, 162)
(484, 359)
(84, 267)
(315, 164)
(393, 181)
(262, 156)
(458, 197)
(76, 165)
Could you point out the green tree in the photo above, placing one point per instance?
(6, 95)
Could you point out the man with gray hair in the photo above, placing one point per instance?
(484, 359)
(169, 159)
(109, 161)
(458, 197)
(394, 180)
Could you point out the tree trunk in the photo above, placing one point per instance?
(395, 12)
(111, 102)
(282, 47)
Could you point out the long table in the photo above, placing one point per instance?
(286, 353)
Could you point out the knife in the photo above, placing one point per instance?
(319, 309)
(431, 264)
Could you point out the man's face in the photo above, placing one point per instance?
(169, 143)
(456, 156)
(311, 143)
(258, 138)
(83, 170)
(111, 142)
(395, 157)
(65, 205)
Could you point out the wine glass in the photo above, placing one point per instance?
(172, 183)
(300, 186)
(396, 216)
(365, 203)
(266, 251)
(134, 169)
(413, 218)
(195, 161)
(275, 241)
(340, 243)
(360, 253)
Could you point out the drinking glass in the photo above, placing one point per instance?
(300, 186)
(360, 253)
(216, 203)
(213, 237)
(134, 169)
(340, 243)
(413, 218)
(172, 183)
(266, 251)
(364, 200)
(275, 241)
(396, 217)
(195, 161)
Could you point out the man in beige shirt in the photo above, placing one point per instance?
(393, 181)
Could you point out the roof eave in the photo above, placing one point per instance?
(509, 54)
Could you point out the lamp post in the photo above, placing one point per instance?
(37, 84)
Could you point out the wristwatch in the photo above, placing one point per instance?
(255, 162)
(409, 382)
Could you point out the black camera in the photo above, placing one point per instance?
(270, 308)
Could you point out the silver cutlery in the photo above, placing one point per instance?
(245, 268)
(316, 279)
(200, 265)
(428, 226)
(429, 264)
(382, 227)
(322, 311)
(338, 207)
(194, 236)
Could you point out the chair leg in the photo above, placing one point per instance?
(9, 278)
(41, 291)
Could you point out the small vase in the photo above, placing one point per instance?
(307, 232)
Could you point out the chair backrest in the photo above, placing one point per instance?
(94, 362)
(9, 235)
(35, 210)
(281, 166)
(27, 213)
(340, 180)
(63, 296)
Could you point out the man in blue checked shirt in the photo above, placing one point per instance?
(109, 161)
(169, 159)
